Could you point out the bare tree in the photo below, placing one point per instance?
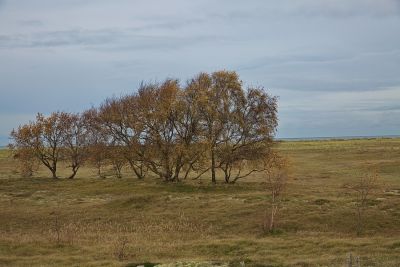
(44, 138)
(28, 163)
(248, 134)
(190, 143)
(77, 140)
(117, 159)
(98, 157)
(238, 125)
(276, 178)
(220, 93)
(364, 189)
(118, 118)
(98, 140)
(168, 129)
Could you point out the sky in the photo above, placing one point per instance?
(335, 64)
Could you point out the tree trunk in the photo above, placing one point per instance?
(359, 221)
(272, 219)
(178, 167)
(138, 173)
(75, 164)
(137, 170)
(227, 171)
(265, 220)
(99, 171)
(118, 169)
(73, 174)
(54, 173)
(176, 175)
(226, 175)
(213, 179)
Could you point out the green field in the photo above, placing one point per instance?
(198, 221)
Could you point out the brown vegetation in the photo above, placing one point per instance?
(197, 221)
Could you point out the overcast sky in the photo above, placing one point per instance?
(335, 64)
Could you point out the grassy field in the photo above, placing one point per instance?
(88, 221)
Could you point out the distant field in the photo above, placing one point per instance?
(197, 221)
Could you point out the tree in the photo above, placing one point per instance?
(119, 122)
(157, 113)
(98, 140)
(28, 163)
(220, 92)
(98, 157)
(115, 153)
(193, 145)
(44, 138)
(276, 176)
(76, 140)
(363, 189)
(169, 128)
(248, 134)
(238, 125)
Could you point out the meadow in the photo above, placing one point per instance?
(89, 221)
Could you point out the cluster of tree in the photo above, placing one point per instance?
(211, 123)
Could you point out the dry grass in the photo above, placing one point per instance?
(196, 221)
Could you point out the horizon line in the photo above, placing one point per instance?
(339, 137)
(342, 137)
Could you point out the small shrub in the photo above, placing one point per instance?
(55, 228)
(363, 190)
(120, 248)
(321, 201)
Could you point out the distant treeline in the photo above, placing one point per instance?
(171, 130)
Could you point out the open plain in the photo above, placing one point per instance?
(89, 221)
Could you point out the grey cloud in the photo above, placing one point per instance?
(328, 72)
(345, 8)
(158, 43)
(317, 84)
(380, 108)
(366, 107)
(2, 4)
(59, 38)
(169, 24)
(336, 9)
(271, 61)
(104, 39)
(30, 23)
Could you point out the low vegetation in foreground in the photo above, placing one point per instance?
(91, 221)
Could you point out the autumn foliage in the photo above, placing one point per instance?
(210, 124)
